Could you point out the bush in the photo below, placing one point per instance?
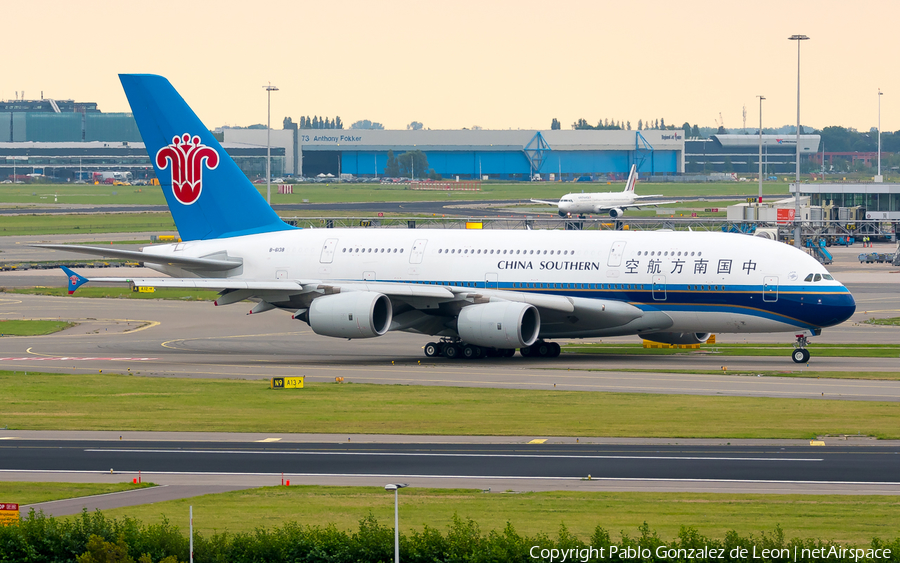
(94, 538)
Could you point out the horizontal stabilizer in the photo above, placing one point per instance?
(75, 280)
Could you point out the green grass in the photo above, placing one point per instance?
(847, 519)
(345, 193)
(728, 350)
(31, 327)
(120, 293)
(116, 402)
(31, 493)
(895, 321)
(86, 223)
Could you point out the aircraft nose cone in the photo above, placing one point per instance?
(836, 309)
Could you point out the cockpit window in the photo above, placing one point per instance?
(808, 278)
(828, 277)
(818, 277)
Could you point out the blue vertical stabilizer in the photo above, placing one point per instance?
(207, 193)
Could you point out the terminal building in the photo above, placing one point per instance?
(73, 161)
(740, 153)
(494, 154)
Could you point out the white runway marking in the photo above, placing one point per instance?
(418, 454)
(71, 358)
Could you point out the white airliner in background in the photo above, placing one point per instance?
(485, 292)
(614, 203)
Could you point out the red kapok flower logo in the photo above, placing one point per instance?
(187, 156)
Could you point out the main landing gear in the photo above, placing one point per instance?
(455, 350)
(800, 355)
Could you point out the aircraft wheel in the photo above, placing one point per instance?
(470, 352)
(451, 351)
(555, 350)
(432, 350)
(800, 355)
(526, 351)
(509, 352)
(543, 349)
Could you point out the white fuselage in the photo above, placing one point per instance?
(581, 203)
(706, 282)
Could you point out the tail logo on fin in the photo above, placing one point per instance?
(187, 156)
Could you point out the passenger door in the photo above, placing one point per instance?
(328, 251)
(659, 288)
(615, 254)
(770, 289)
(418, 251)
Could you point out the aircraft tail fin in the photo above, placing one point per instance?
(632, 179)
(207, 193)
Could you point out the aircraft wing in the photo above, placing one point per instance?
(216, 264)
(409, 298)
(647, 204)
(545, 202)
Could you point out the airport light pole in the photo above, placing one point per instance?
(269, 90)
(878, 178)
(797, 226)
(761, 98)
(396, 487)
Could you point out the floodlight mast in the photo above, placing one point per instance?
(761, 98)
(797, 227)
(269, 90)
(879, 178)
(396, 487)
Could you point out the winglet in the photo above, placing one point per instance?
(75, 280)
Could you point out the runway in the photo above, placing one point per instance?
(197, 467)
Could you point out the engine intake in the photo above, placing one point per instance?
(616, 212)
(499, 325)
(355, 314)
(677, 337)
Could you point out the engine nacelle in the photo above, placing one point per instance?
(355, 314)
(677, 337)
(616, 212)
(499, 325)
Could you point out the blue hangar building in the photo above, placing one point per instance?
(472, 154)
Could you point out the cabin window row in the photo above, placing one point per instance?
(492, 251)
(666, 253)
(372, 250)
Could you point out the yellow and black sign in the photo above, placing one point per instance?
(9, 513)
(287, 382)
(146, 289)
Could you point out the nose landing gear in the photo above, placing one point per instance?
(800, 355)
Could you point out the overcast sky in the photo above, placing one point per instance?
(497, 64)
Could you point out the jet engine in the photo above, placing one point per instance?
(616, 212)
(355, 314)
(677, 337)
(499, 325)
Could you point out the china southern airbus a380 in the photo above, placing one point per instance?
(476, 293)
(614, 203)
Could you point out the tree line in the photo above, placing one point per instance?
(616, 125)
